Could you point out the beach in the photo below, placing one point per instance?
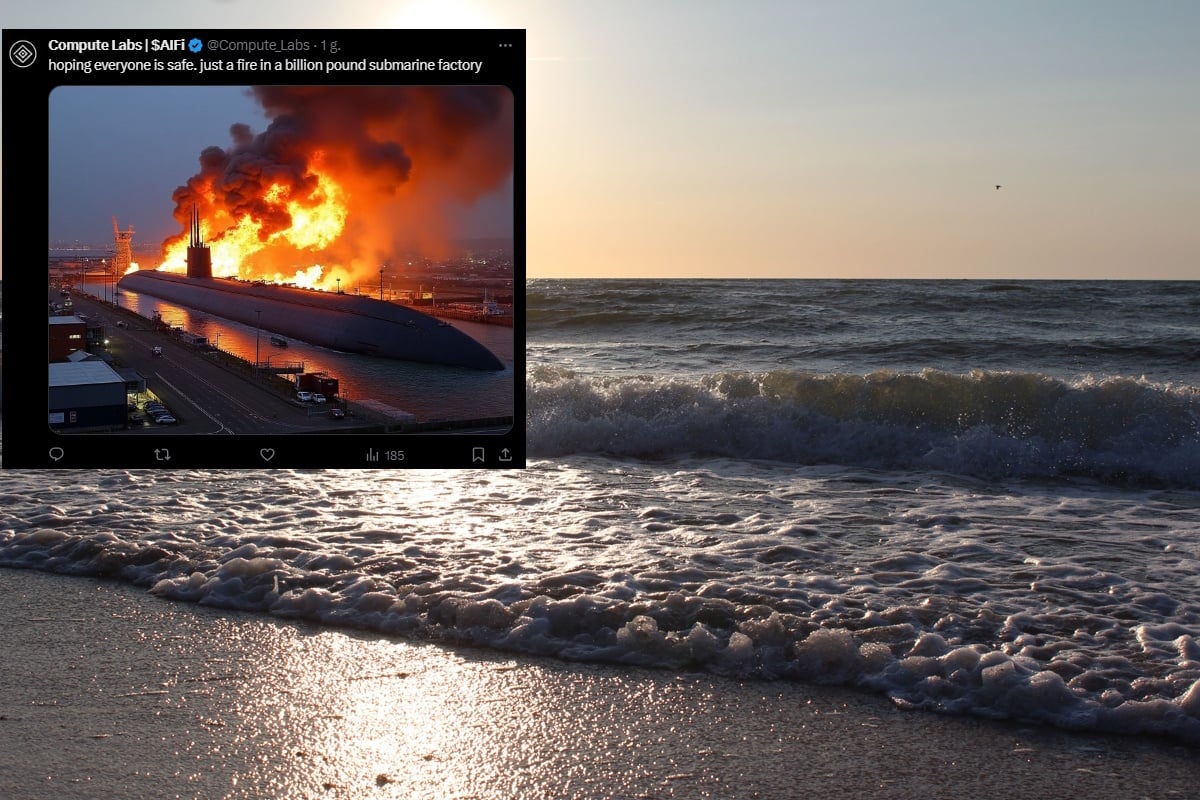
(109, 691)
(971, 507)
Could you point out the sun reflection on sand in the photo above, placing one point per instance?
(350, 715)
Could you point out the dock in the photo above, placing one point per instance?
(384, 411)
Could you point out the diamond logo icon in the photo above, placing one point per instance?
(22, 53)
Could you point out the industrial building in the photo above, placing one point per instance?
(86, 394)
(68, 334)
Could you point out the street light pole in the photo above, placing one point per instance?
(257, 331)
(339, 287)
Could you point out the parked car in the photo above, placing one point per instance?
(304, 397)
(318, 397)
(165, 419)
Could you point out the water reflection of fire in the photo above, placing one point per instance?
(343, 179)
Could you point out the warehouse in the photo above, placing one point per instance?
(86, 395)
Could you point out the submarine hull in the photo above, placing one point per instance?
(351, 323)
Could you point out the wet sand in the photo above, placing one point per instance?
(108, 691)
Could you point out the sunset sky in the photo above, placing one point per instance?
(825, 139)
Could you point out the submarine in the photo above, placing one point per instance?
(349, 323)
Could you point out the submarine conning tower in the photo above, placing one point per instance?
(199, 256)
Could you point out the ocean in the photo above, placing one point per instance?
(973, 497)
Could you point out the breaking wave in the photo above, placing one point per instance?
(988, 425)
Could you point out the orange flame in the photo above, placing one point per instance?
(344, 179)
(316, 222)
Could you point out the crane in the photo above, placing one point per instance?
(119, 234)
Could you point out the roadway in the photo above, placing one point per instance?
(204, 395)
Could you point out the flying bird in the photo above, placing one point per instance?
(997, 187)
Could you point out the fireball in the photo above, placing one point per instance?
(343, 179)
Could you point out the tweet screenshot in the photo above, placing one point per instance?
(264, 249)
